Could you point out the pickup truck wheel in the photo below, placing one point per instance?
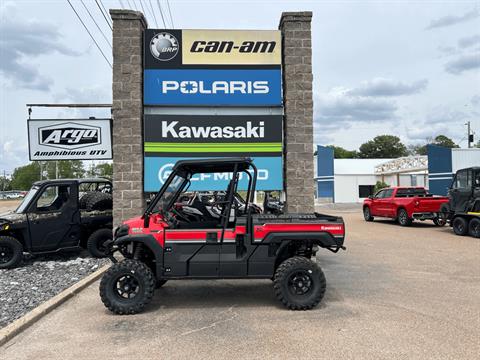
(299, 283)
(367, 215)
(96, 242)
(460, 226)
(474, 228)
(440, 221)
(127, 287)
(11, 252)
(403, 218)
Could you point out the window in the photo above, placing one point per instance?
(53, 198)
(387, 193)
(380, 194)
(463, 180)
(365, 191)
(409, 192)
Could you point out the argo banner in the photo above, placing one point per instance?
(81, 139)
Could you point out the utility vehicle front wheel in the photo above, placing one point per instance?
(299, 283)
(127, 287)
(11, 252)
(96, 242)
(403, 218)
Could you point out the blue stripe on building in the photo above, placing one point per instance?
(325, 174)
(439, 169)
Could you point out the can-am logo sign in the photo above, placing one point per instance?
(69, 136)
(164, 46)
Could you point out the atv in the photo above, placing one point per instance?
(463, 207)
(165, 243)
(58, 215)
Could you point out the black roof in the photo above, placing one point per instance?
(213, 165)
(80, 181)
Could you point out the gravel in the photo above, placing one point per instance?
(40, 278)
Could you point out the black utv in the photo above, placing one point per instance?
(56, 215)
(463, 208)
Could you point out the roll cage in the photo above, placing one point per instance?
(185, 169)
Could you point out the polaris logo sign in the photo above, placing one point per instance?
(60, 140)
(259, 87)
(217, 87)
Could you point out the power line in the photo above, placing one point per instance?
(161, 13)
(143, 9)
(89, 33)
(170, 12)
(153, 12)
(98, 27)
(104, 16)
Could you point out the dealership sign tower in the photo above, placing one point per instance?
(211, 93)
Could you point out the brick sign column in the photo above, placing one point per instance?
(127, 112)
(298, 103)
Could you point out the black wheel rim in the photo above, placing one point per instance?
(403, 217)
(476, 229)
(300, 282)
(6, 254)
(460, 228)
(126, 287)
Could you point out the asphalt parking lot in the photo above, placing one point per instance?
(396, 293)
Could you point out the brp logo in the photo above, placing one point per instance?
(164, 172)
(164, 46)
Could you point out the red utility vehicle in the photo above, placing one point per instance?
(168, 242)
(404, 204)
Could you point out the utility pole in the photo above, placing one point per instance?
(468, 134)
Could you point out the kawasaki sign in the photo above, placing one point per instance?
(67, 140)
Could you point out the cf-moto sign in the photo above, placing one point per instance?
(65, 140)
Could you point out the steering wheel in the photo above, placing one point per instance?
(179, 215)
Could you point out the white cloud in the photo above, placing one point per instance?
(450, 20)
(388, 87)
(463, 63)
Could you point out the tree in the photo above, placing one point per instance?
(383, 146)
(440, 140)
(341, 153)
(379, 186)
(66, 169)
(24, 176)
(5, 183)
(101, 170)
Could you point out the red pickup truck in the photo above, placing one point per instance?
(404, 204)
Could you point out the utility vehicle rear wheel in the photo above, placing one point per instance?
(96, 242)
(299, 283)
(11, 252)
(403, 219)
(159, 283)
(367, 215)
(460, 226)
(127, 287)
(474, 228)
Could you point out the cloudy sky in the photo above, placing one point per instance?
(409, 68)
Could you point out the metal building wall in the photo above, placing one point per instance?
(439, 169)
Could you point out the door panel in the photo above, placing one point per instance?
(54, 219)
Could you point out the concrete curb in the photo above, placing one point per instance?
(19, 325)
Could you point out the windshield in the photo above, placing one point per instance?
(26, 200)
(170, 191)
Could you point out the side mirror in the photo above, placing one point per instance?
(149, 201)
(370, 197)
